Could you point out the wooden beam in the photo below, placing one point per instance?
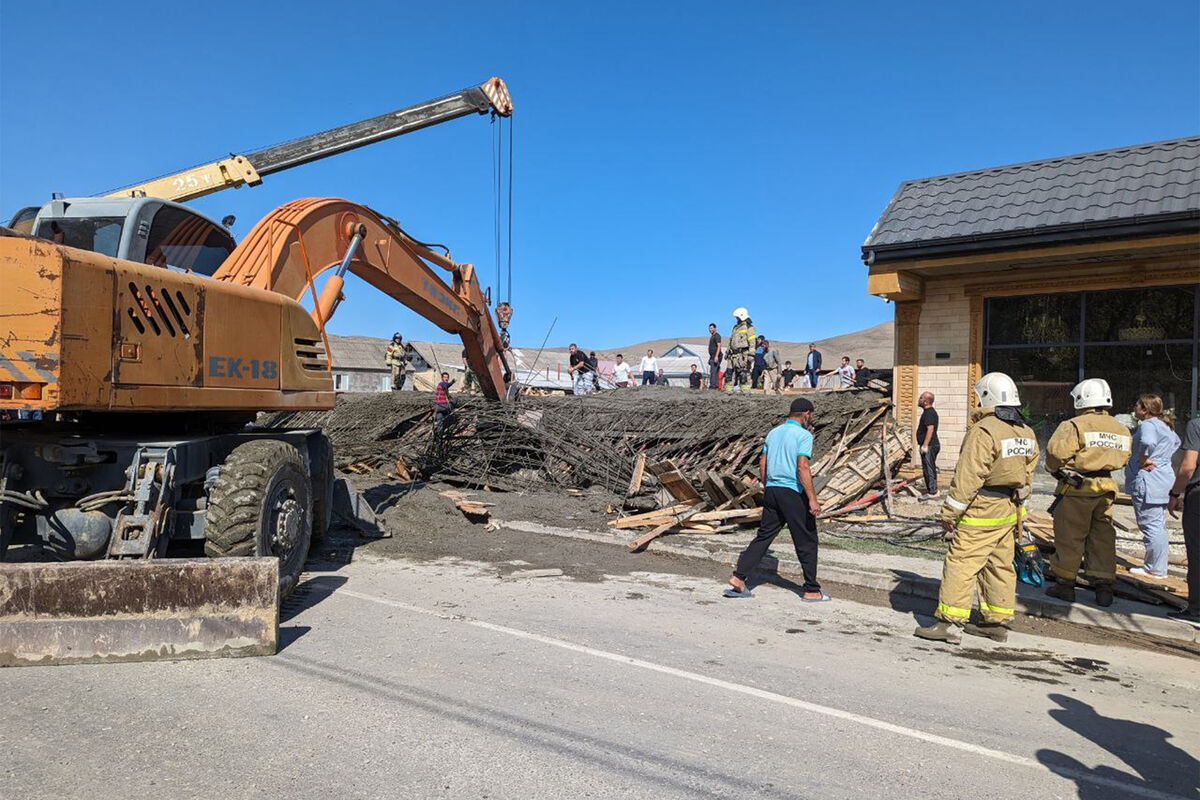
(649, 517)
(640, 543)
(898, 286)
(639, 471)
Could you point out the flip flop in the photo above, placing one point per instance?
(824, 598)
(732, 592)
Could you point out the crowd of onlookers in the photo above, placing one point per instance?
(767, 373)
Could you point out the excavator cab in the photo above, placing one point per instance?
(145, 230)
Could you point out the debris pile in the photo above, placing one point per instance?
(855, 473)
(683, 460)
(575, 442)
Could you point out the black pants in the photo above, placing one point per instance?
(929, 468)
(784, 506)
(714, 375)
(1191, 544)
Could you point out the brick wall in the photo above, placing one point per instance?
(945, 328)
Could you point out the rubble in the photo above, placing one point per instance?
(565, 441)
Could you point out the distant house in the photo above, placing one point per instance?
(683, 350)
(357, 363)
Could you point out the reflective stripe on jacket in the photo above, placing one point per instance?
(394, 355)
(996, 460)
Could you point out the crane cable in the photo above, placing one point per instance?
(508, 292)
(503, 259)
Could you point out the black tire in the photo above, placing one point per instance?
(261, 505)
(322, 481)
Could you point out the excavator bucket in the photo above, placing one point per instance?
(161, 609)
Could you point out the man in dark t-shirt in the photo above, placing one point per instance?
(695, 378)
(714, 357)
(580, 370)
(927, 440)
(862, 374)
(789, 374)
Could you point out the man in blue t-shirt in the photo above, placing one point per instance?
(789, 498)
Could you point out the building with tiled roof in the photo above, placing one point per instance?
(1051, 271)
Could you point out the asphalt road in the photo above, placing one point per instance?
(464, 679)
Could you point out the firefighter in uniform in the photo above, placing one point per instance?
(1082, 454)
(395, 357)
(741, 347)
(982, 513)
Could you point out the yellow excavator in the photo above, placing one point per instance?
(137, 345)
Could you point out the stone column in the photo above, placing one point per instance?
(904, 372)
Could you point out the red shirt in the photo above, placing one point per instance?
(441, 394)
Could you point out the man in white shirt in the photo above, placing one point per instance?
(649, 367)
(845, 374)
(621, 372)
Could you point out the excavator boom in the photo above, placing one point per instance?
(295, 244)
(250, 168)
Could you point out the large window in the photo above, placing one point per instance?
(98, 234)
(185, 241)
(1139, 340)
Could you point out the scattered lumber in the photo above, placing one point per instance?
(474, 510)
(856, 473)
(1171, 591)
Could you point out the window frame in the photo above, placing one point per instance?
(1082, 342)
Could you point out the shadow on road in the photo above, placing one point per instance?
(1159, 768)
(767, 571)
(901, 599)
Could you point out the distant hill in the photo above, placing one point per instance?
(874, 345)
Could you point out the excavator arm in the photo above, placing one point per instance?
(249, 169)
(295, 245)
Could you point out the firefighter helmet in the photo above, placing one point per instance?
(741, 314)
(996, 389)
(1092, 393)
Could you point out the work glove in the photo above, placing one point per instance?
(1023, 493)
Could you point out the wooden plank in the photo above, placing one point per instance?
(674, 481)
(640, 543)
(745, 514)
(715, 486)
(648, 517)
(639, 472)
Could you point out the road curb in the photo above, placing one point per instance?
(909, 585)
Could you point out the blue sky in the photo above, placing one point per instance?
(673, 160)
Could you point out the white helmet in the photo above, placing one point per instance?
(996, 389)
(741, 314)
(1092, 393)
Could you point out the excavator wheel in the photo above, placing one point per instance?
(322, 481)
(261, 505)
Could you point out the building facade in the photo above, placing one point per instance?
(1050, 271)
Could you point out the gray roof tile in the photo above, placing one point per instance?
(1110, 186)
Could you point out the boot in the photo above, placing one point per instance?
(996, 631)
(1104, 594)
(1063, 590)
(938, 632)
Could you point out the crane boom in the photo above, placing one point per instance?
(249, 169)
